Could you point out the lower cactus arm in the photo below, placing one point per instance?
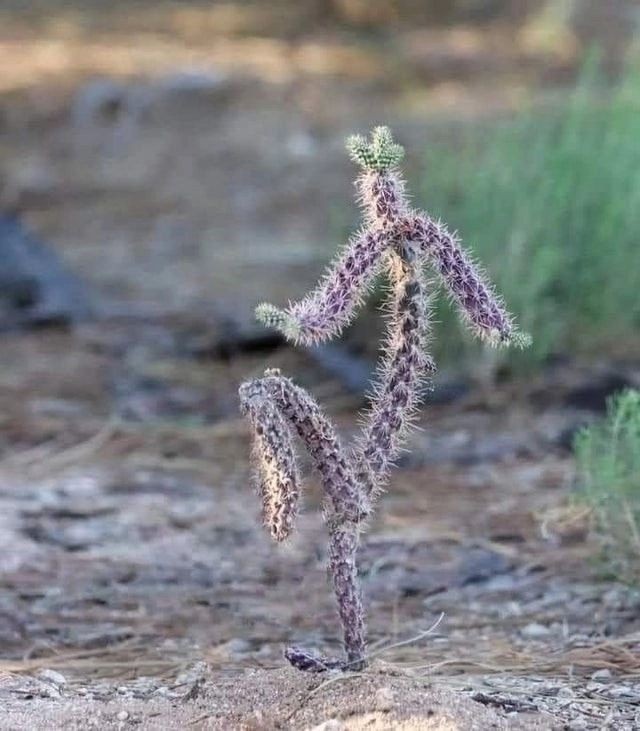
(260, 399)
(275, 466)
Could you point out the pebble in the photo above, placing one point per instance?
(603, 674)
(384, 699)
(52, 676)
(122, 716)
(623, 692)
(535, 631)
(576, 725)
(332, 724)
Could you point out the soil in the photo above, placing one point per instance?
(185, 180)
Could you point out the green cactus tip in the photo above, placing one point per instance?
(278, 319)
(379, 155)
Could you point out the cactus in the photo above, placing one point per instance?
(398, 241)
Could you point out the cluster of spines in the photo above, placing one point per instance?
(401, 240)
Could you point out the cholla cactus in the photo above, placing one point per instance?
(398, 241)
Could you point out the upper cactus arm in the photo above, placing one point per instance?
(477, 302)
(324, 312)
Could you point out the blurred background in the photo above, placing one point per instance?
(180, 155)
(165, 166)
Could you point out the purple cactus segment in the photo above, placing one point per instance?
(402, 372)
(275, 467)
(479, 306)
(343, 548)
(329, 308)
(383, 199)
(322, 443)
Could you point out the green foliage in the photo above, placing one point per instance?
(608, 456)
(551, 203)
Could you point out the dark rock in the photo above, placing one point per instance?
(36, 289)
(593, 395)
(230, 339)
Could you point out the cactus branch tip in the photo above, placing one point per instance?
(379, 155)
(273, 317)
(520, 340)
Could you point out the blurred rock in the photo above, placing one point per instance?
(593, 395)
(36, 288)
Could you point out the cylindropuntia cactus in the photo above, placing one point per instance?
(399, 241)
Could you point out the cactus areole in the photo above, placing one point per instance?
(400, 243)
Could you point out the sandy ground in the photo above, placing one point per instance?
(281, 699)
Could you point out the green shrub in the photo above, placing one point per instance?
(551, 202)
(608, 457)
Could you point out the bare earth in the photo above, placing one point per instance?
(279, 699)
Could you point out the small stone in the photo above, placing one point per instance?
(603, 674)
(122, 716)
(534, 631)
(52, 676)
(623, 692)
(384, 699)
(565, 692)
(577, 725)
(332, 724)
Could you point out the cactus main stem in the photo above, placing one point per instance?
(402, 369)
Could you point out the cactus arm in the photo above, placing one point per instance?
(324, 313)
(479, 306)
(274, 465)
(347, 506)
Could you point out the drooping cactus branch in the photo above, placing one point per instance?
(400, 242)
(269, 401)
